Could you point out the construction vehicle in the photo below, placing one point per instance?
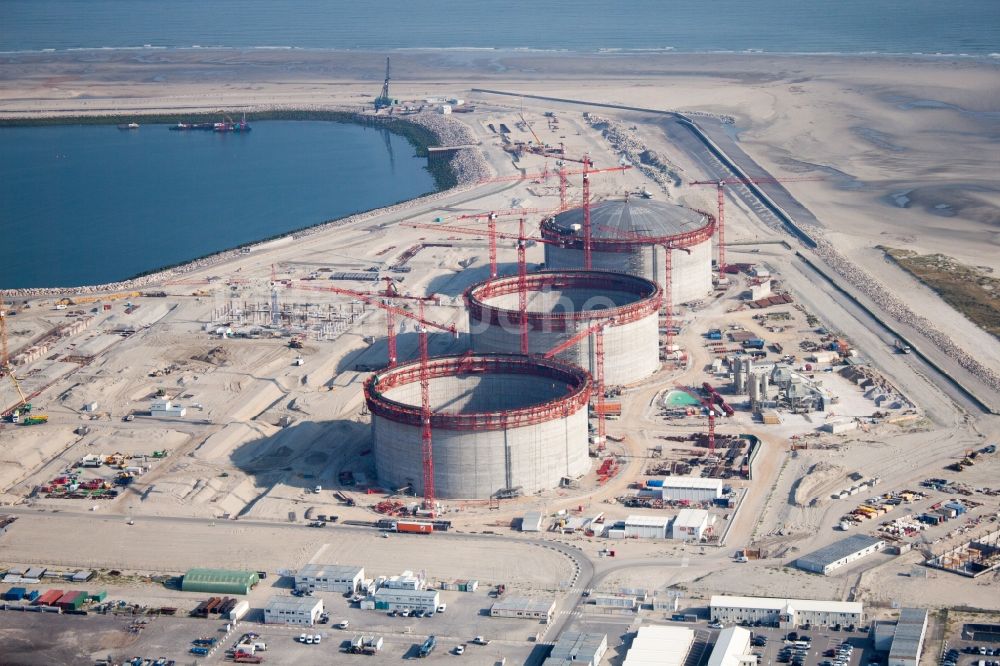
(383, 101)
(901, 347)
(35, 419)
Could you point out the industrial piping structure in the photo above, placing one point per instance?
(502, 424)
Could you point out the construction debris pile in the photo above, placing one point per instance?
(627, 142)
(468, 165)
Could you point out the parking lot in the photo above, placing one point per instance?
(815, 646)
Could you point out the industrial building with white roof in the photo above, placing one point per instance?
(575, 648)
(691, 489)
(908, 639)
(293, 610)
(657, 645)
(330, 578)
(841, 553)
(787, 613)
(691, 525)
(732, 648)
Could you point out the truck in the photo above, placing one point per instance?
(35, 419)
(414, 527)
(427, 647)
(901, 346)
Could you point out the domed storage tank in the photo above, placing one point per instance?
(562, 303)
(617, 225)
(499, 422)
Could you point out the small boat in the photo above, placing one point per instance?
(128, 126)
(229, 125)
(183, 127)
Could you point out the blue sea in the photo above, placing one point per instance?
(970, 27)
(91, 203)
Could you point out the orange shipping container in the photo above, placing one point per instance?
(413, 527)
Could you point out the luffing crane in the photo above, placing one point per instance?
(597, 330)
(380, 300)
(709, 403)
(669, 246)
(720, 186)
(491, 228)
(563, 172)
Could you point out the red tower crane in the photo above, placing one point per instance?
(709, 403)
(587, 171)
(597, 330)
(391, 312)
(522, 265)
(426, 439)
(668, 246)
(491, 229)
(720, 186)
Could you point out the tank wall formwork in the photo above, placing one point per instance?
(499, 422)
(692, 273)
(562, 304)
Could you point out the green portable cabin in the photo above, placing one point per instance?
(99, 596)
(219, 581)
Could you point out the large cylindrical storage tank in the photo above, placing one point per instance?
(498, 422)
(629, 235)
(561, 304)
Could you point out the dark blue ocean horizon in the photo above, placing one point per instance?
(969, 27)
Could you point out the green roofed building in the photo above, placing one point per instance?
(219, 581)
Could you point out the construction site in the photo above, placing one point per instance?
(572, 336)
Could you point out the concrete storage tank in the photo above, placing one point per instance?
(616, 227)
(563, 303)
(499, 422)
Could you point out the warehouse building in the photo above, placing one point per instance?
(522, 607)
(908, 639)
(839, 554)
(691, 490)
(692, 525)
(399, 599)
(732, 648)
(293, 610)
(219, 581)
(576, 647)
(656, 645)
(330, 578)
(646, 527)
(786, 613)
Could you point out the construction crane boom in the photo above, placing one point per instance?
(426, 436)
(383, 100)
(720, 186)
(379, 300)
(597, 330)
